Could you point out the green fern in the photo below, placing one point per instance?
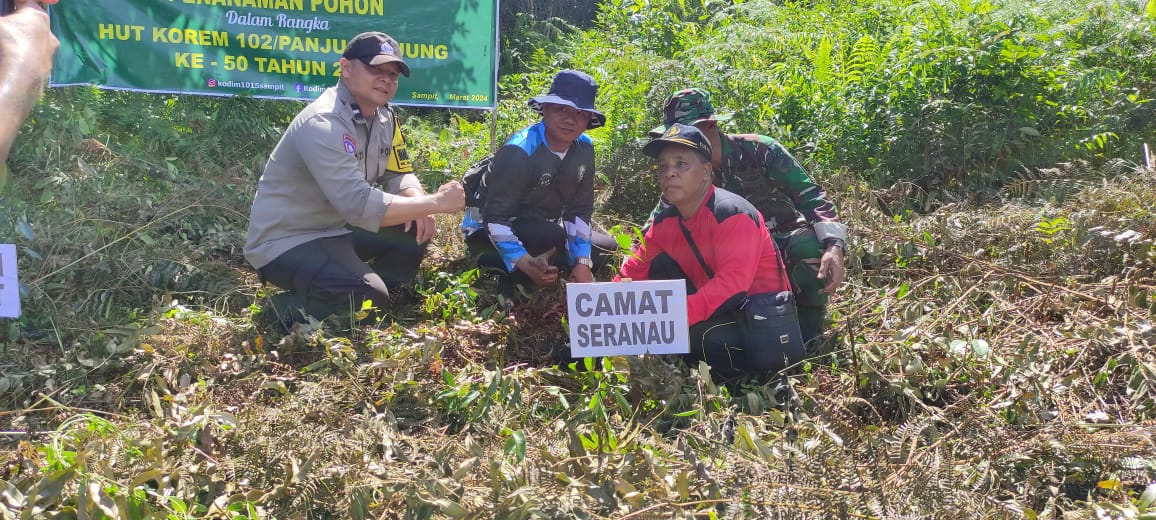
(1056, 183)
(862, 60)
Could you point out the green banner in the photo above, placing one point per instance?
(285, 49)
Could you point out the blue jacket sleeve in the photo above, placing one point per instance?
(509, 178)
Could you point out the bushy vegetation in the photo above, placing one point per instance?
(947, 95)
(991, 355)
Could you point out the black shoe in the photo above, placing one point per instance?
(282, 311)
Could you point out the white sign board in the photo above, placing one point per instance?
(627, 318)
(9, 285)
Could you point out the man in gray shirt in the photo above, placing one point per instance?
(339, 190)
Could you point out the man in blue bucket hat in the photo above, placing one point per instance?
(532, 201)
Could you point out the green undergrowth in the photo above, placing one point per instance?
(988, 360)
(944, 94)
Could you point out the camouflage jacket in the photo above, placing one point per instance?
(761, 170)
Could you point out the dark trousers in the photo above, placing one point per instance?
(538, 236)
(718, 340)
(330, 275)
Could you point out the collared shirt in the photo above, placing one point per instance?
(322, 175)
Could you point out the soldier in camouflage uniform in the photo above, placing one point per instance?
(798, 213)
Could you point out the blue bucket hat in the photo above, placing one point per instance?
(574, 89)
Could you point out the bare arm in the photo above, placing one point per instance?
(449, 198)
(424, 227)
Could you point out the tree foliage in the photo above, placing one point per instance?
(948, 95)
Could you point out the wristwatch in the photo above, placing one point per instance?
(837, 242)
(585, 261)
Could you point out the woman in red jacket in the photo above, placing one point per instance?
(718, 243)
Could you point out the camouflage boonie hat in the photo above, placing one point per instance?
(689, 107)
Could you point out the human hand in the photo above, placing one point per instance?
(581, 274)
(831, 268)
(425, 228)
(26, 49)
(27, 44)
(538, 268)
(451, 197)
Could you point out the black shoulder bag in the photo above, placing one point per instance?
(769, 324)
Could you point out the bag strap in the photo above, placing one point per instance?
(693, 247)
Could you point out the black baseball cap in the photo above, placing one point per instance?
(375, 48)
(682, 135)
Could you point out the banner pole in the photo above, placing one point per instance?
(497, 63)
(493, 130)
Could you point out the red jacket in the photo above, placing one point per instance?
(732, 238)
